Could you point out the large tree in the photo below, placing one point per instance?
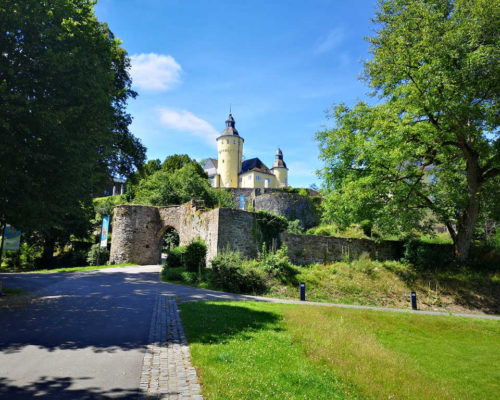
(428, 149)
(64, 84)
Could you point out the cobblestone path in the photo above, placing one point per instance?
(167, 372)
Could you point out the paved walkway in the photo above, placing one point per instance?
(167, 372)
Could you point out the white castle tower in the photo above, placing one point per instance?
(230, 152)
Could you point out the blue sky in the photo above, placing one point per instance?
(280, 64)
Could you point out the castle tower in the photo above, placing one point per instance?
(280, 170)
(230, 151)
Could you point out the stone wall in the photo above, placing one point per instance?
(307, 249)
(135, 235)
(138, 231)
(289, 205)
(237, 232)
(138, 235)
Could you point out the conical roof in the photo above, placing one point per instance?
(278, 162)
(230, 129)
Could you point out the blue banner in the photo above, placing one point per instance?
(104, 231)
(12, 238)
(242, 202)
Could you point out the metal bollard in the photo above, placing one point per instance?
(413, 301)
(302, 291)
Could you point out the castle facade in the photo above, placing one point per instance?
(230, 171)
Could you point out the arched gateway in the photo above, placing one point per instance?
(137, 235)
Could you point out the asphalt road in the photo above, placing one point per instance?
(83, 338)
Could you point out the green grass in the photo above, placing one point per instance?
(14, 292)
(278, 351)
(73, 269)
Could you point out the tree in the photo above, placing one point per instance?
(179, 186)
(430, 149)
(64, 85)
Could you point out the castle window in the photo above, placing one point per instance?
(249, 177)
(259, 178)
(234, 141)
(240, 180)
(228, 142)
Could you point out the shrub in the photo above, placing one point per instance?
(278, 264)
(270, 226)
(103, 253)
(175, 257)
(173, 274)
(195, 256)
(295, 227)
(427, 256)
(232, 273)
(189, 277)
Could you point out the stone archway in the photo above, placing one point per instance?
(138, 233)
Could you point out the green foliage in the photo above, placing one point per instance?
(64, 86)
(23, 259)
(165, 187)
(430, 151)
(175, 257)
(295, 227)
(232, 273)
(93, 253)
(269, 227)
(170, 240)
(173, 273)
(104, 205)
(278, 265)
(195, 256)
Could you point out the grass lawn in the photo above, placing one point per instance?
(14, 292)
(71, 269)
(279, 351)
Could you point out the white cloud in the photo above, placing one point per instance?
(330, 41)
(154, 71)
(186, 121)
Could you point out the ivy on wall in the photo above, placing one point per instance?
(267, 227)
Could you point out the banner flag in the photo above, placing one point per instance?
(12, 238)
(104, 231)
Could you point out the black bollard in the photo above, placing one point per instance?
(302, 291)
(413, 300)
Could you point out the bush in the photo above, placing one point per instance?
(195, 256)
(175, 257)
(295, 227)
(173, 274)
(278, 264)
(426, 256)
(94, 251)
(232, 273)
(270, 226)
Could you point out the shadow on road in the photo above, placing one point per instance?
(104, 312)
(59, 388)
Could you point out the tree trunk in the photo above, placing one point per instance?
(48, 252)
(468, 219)
(466, 225)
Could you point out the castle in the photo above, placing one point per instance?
(230, 171)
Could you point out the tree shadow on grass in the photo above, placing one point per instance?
(60, 388)
(219, 322)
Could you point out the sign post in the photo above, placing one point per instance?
(103, 240)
